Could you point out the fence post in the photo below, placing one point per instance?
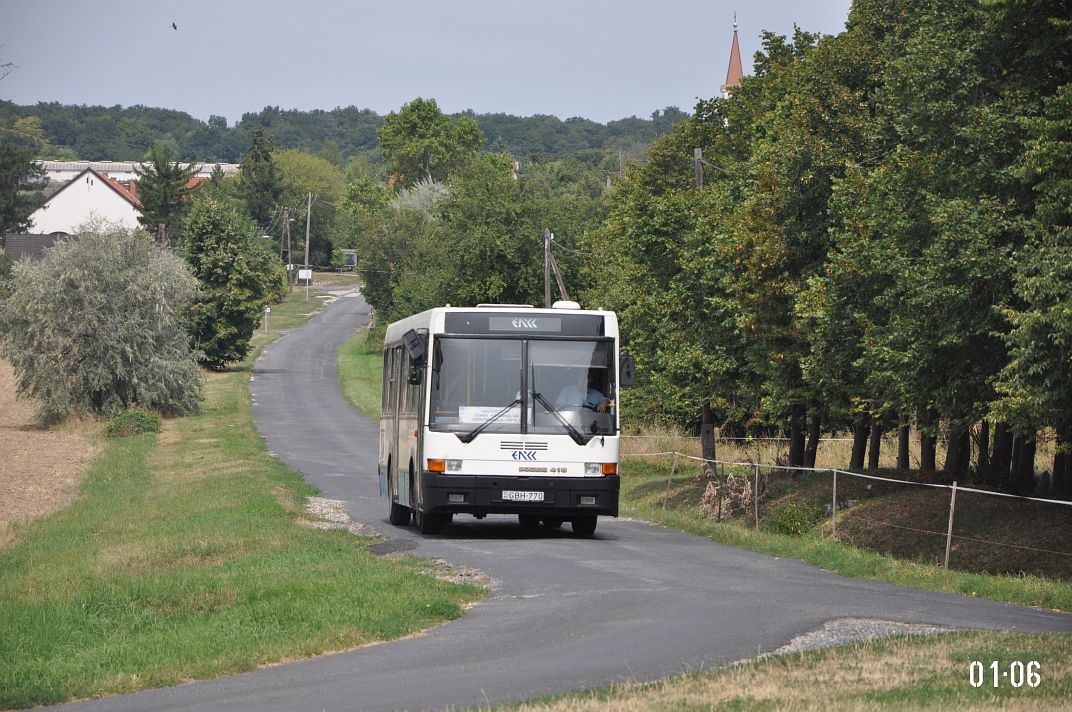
(673, 469)
(833, 510)
(949, 531)
(755, 496)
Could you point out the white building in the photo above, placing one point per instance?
(89, 195)
(123, 171)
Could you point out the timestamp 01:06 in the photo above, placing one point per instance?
(1016, 673)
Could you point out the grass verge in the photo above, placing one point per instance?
(905, 673)
(360, 366)
(646, 495)
(189, 556)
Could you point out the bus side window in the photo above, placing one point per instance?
(386, 386)
(392, 389)
(403, 392)
(413, 397)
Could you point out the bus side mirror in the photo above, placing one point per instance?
(626, 370)
(415, 348)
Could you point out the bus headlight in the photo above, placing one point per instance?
(454, 465)
(593, 468)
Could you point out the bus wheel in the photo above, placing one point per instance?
(552, 522)
(584, 526)
(529, 523)
(428, 523)
(398, 515)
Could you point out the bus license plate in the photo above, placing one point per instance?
(521, 496)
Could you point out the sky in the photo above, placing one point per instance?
(597, 59)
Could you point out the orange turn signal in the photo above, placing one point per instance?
(610, 468)
(437, 465)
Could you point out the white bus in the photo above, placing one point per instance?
(502, 409)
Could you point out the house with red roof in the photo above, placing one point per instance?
(88, 196)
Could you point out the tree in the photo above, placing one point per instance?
(239, 276)
(97, 326)
(258, 180)
(421, 143)
(20, 182)
(163, 189)
(389, 235)
(302, 174)
(484, 241)
(1036, 383)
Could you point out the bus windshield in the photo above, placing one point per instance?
(472, 381)
(576, 379)
(478, 382)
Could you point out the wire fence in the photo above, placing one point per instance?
(961, 525)
(833, 451)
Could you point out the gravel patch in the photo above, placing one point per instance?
(853, 630)
(332, 514)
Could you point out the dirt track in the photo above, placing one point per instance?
(39, 469)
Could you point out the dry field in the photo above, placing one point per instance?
(40, 470)
(834, 451)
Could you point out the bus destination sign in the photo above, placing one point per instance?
(543, 324)
(524, 324)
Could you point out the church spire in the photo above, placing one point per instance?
(734, 72)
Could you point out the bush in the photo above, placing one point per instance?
(96, 327)
(133, 421)
(792, 519)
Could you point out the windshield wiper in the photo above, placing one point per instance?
(573, 432)
(468, 437)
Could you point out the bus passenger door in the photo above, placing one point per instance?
(401, 434)
(393, 386)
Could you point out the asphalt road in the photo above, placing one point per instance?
(635, 602)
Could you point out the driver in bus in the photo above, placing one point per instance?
(583, 393)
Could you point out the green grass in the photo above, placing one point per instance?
(187, 556)
(904, 673)
(644, 491)
(360, 368)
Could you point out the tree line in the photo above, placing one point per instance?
(881, 241)
(119, 133)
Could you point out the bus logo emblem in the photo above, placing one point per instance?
(520, 323)
(527, 455)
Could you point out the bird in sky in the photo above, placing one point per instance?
(174, 26)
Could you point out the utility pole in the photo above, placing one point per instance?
(308, 219)
(282, 232)
(546, 268)
(697, 167)
(290, 260)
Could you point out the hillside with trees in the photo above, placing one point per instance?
(116, 133)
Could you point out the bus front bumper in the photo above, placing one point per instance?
(543, 496)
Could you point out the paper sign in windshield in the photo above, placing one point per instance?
(480, 414)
